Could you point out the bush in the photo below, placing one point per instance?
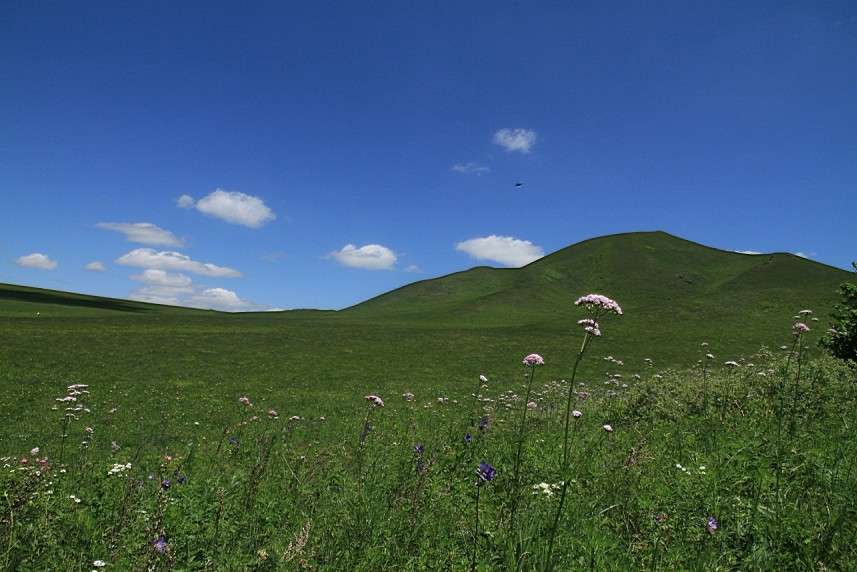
(841, 338)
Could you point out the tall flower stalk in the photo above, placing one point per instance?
(597, 306)
(531, 361)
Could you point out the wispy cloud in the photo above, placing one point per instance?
(747, 252)
(371, 257)
(143, 233)
(506, 250)
(521, 140)
(150, 258)
(470, 169)
(37, 260)
(232, 207)
(95, 266)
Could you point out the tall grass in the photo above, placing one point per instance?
(696, 472)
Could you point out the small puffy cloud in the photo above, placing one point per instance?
(506, 250)
(150, 258)
(371, 257)
(219, 299)
(747, 252)
(37, 260)
(233, 207)
(470, 169)
(95, 266)
(805, 255)
(143, 232)
(521, 140)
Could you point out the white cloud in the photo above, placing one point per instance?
(95, 266)
(371, 256)
(143, 232)
(413, 268)
(516, 139)
(506, 250)
(150, 258)
(470, 169)
(219, 299)
(805, 255)
(747, 252)
(36, 260)
(176, 289)
(233, 207)
(163, 278)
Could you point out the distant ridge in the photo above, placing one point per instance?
(674, 293)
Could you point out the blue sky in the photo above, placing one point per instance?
(251, 156)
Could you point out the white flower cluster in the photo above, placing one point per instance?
(119, 469)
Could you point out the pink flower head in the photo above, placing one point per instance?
(805, 312)
(483, 379)
(709, 356)
(245, 400)
(532, 405)
(34, 451)
(593, 330)
(800, 327)
(596, 302)
(576, 414)
(272, 414)
(832, 331)
(408, 395)
(732, 363)
(533, 360)
(377, 401)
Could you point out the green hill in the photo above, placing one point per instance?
(673, 292)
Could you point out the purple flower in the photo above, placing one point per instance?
(485, 472)
(165, 484)
(161, 545)
(419, 448)
(711, 525)
(533, 360)
(468, 438)
(483, 424)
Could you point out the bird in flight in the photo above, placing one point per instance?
(519, 184)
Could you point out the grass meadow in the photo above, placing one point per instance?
(208, 442)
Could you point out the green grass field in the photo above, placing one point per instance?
(163, 468)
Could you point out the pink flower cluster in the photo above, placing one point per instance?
(408, 395)
(596, 302)
(590, 326)
(245, 400)
(800, 327)
(376, 401)
(534, 360)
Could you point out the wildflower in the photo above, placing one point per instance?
(468, 438)
(732, 363)
(245, 400)
(161, 545)
(294, 418)
(800, 327)
(485, 472)
(483, 379)
(711, 525)
(832, 331)
(68, 399)
(376, 401)
(99, 563)
(272, 414)
(74, 498)
(34, 451)
(709, 356)
(594, 302)
(483, 424)
(661, 518)
(419, 449)
(532, 405)
(576, 414)
(608, 428)
(533, 360)
(805, 312)
(114, 447)
(408, 395)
